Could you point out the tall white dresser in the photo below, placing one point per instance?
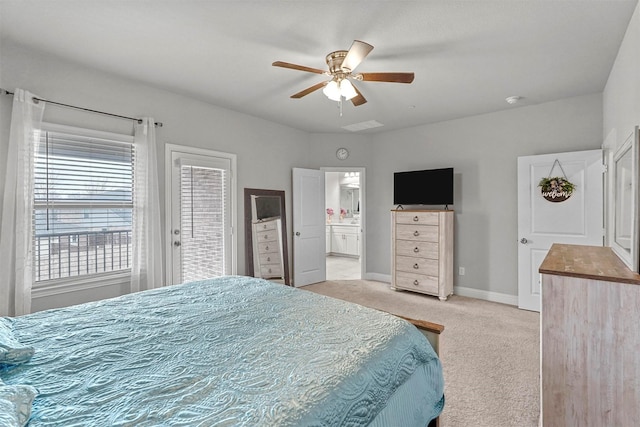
(267, 249)
(422, 251)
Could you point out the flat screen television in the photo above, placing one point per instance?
(425, 187)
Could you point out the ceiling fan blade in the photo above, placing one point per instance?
(357, 52)
(358, 99)
(308, 90)
(297, 67)
(386, 77)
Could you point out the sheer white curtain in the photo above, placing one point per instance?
(146, 266)
(16, 232)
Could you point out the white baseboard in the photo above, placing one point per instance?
(386, 278)
(459, 290)
(486, 295)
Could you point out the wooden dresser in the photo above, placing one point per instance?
(267, 249)
(422, 251)
(590, 338)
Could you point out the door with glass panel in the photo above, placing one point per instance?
(200, 208)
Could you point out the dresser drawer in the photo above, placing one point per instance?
(417, 282)
(419, 233)
(417, 265)
(264, 226)
(269, 258)
(267, 236)
(426, 218)
(271, 270)
(266, 247)
(417, 249)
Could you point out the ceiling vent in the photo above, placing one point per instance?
(362, 126)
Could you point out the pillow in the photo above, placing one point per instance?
(12, 352)
(15, 404)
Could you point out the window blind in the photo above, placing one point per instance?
(83, 203)
(202, 217)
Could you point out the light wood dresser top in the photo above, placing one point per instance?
(589, 262)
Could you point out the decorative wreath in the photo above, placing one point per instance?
(556, 189)
(557, 183)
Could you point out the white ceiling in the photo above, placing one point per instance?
(468, 56)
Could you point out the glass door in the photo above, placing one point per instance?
(202, 240)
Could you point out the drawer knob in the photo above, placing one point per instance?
(268, 258)
(416, 249)
(266, 237)
(416, 233)
(415, 218)
(415, 282)
(416, 266)
(266, 248)
(264, 226)
(269, 270)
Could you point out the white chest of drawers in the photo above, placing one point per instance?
(422, 251)
(267, 249)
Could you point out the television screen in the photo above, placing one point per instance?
(267, 207)
(425, 187)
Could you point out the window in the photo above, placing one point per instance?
(83, 203)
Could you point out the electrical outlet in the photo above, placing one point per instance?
(461, 271)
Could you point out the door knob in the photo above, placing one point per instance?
(297, 233)
(177, 243)
(524, 241)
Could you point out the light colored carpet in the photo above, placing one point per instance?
(490, 352)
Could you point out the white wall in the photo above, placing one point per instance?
(621, 102)
(483, 151)
(259, 144)
(332, 193)
(621, 96)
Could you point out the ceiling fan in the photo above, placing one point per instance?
(342, 64)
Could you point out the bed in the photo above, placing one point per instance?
(229, 351)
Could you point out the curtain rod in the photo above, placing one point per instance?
(36, 100)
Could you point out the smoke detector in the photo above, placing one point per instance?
(513, 99)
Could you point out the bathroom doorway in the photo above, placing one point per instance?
(344, 201)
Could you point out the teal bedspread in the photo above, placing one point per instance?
(223, 352)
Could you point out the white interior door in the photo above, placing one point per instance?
(200, 200)
(577, 220)
(308, 227)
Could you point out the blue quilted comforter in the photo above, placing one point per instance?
(227, 351)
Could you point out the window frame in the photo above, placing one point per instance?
(55, 286)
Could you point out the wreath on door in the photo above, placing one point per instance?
(558, 188)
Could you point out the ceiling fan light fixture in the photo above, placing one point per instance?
(347, 90)
(341, 64)
(332, 90)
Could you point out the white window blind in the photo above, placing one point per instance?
(83, 188)
(202, 217)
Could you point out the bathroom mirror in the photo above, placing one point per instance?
(265, 229)
(625, 201)
(350, 200)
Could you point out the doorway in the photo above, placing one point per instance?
(576, 219)
(200, 196)
(344, 229)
